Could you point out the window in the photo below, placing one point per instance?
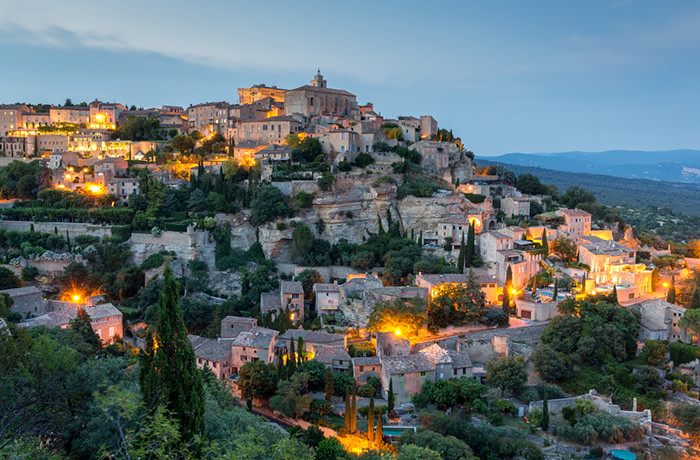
(422, 374)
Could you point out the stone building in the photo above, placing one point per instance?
(316, 99)
(28, 301)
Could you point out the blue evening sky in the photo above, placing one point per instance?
(507, 76)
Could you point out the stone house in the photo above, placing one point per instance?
(612, 263)
(27, 300)
(122, 187)
(68, 114)
(660, 321)
(311, 339)
(488, 283)
(409, 371)
(576, 222)
(250, 346)
(268, 130)
(435, 156)
(365, 368)
(214, 354)
(326, 297)
(290, 296)
(106, 320)
(516, 206)
(334, 357)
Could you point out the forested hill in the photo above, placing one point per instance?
(609, 190)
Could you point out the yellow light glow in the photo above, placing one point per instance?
(95, 189)
(397, 332)
(514, 291)
(71, 169)
(665, 284)
(100, 118)
(61, 186)
(85, 170)
(67, 176)
(76, 298)
(291, 316)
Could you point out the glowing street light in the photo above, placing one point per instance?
(397, 332)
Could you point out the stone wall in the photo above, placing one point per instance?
(557, 405)
(73, 228)
(183, 244)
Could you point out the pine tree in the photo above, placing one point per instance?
(390, 396)
(695, 302)
(545, 244)
(300, 352)
(353, 411)
(171, 377)
(470, 253)
(671, 294)
(460, 257)
(329, 385)
(292, 358)
(347, 409)
(379, 433)
(545, 415)
(370, 419)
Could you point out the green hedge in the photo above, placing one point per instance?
(475, 197)
(681, 353)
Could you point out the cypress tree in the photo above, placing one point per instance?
(370, 419)
(545, 244)
(328, 387)
(413, 236)
(460, 257)
(390, 396)
(347, 409)
(292, 358)
(55, 230)
(68, 240)
(300, 352)
(381, 226)
(583, 283)
(31, 227)
(171, 377)
(353, 411)
(613, 295)
(534, 284)
(695, 302)
(555, 293)
(545, 415)
(505, 306)
(671, 294)
(379, 434)
(469, 253)
(420, 239)
(655, 279)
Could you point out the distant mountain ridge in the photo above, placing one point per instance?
(663, 165)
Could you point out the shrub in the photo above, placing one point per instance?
(496, 419)
(475, 197)
(281, 226)
(681, 353)
(153, 261)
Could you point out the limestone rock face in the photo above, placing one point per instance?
(424, 213)
(351, 210)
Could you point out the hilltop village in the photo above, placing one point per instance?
(326, 261)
